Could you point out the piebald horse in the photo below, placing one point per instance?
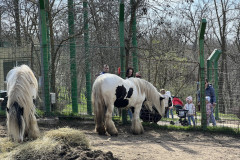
(110, 90)
(22, 88)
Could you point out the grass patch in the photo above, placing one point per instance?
(39, 113)
(210, 129)
(49, 146)
(82, 108)
(74, 117)
(228, 116)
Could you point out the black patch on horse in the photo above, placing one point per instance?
(130, 92)
(19, 111)
(34, 102)
(120, 94)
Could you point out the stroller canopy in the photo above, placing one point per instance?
(176, 101)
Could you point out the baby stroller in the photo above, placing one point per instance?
(182, 113)
(3, 99)
(149, 116)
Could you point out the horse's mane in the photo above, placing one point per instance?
(22, 87)
(150, 91)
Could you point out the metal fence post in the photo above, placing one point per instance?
(44, 57)
(72, 57)
(202, 74)
(134, 39)
(122, 50)
(87, 62)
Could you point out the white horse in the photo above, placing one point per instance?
(22, 87)
(110, 90)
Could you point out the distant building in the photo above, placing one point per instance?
(11, 57)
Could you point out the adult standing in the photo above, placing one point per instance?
(166, 102)
(209, 91)
(170, 104)
(129, 74)
(105, 69)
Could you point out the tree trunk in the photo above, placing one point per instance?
(1, 40)
(17, 21)
(220, 84)
(52, 50)
(96, 20)
(53, 53)
(128, 41)
(149, 59)
(224, 69)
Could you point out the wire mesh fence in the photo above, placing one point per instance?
(60, 76)
(178, 76)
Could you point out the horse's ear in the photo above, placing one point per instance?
(161, 98)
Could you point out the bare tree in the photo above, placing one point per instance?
(17, 21)
(1, 37)
(222, 10)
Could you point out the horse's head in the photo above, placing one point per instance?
(15, 121)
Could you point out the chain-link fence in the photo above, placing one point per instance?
(11, 56)
(178, 76)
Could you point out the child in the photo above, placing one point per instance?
(191, 110)
(208, 108)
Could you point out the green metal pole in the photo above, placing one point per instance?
(218, 54)
(48, 34)
(209, 64)
(202, 74)
(87, 62)
(122, 50)
(216, 89)
(209, 70)
(44, 55)
(214, 57)
(134, 39)
(72, 57)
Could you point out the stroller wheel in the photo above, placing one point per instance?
(185, 123)
(172, 123)
(180, 121)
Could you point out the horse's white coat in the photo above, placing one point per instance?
(22, 88)
(104, 96)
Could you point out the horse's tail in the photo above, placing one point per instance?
(15, 122)
(99, 106)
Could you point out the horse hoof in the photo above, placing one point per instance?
(102, 133)
(137, 132)
(101, 130)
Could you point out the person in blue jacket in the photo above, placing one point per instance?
(209, 91)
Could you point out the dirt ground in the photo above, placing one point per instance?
(154, 144)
